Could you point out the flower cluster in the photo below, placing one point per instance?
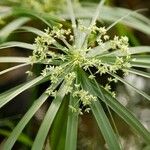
(47, 42)
(85, 99)
(69, 78)
(120, 43)
(84, 96)
(57, 49)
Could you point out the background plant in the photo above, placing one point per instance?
(69, 56)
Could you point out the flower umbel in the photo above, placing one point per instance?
(57, 49)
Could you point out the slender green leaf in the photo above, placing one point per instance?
(8, 29)
(127, 116)
(12, 68)
(18, 129)
(23, 138)
(123, 17)
(73, 21)
(132, 50)
(14, 59)
(17, 44)
(100, 116)
(58, 129)
(140, 64)
(138, 72)
(71, 13)
(141, 61)
(130, 85)
(99, 50)
(72, 127)
(9, 95)
(48, 120)
(137, 50)
(104, 125)
(93, 21)
(50, 20)
(123, 112)
(112, 14)
(141, 58)
(33, 30)
(35, 106)
(97, 12)
(80, 36)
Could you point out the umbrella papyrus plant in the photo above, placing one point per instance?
(73, 58)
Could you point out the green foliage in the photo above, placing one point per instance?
(69, 53)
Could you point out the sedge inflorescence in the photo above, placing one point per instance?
(57, 49)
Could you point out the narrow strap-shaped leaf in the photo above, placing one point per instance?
(141, 58)
(12, 68)
(98, 9)
(73, 21)
(139, 72)
(57, 134)
(112, 14)
(105, 126)
(72, 127)
(8, 29)
(80, 36)
(72, 16)
(94, 19)
(115, 13)
(9, 95)
(100, 116)
(122, 111)
(135, 61)
(142, 18)
(99, 50)
(123, 17)
(26, 118)
(127, 116)
(23, 138)
(134, 88)
(17, 44)
(47, 19)
(131, 51)
(48, 119)
(141, 61)
(139, 49)
(140, 64)
(134, 58)
(33, 30)
(14, 59)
